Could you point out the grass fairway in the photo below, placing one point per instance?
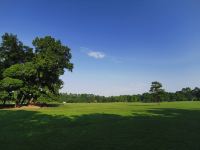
(112, 126)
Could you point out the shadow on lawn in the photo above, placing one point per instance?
(165, 129)
(6, 106)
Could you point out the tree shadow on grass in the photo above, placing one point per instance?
(162, 129)
(6, 106)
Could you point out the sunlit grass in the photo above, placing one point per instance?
(105, 126)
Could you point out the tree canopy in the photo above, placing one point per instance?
(156, 90)
(29, 73)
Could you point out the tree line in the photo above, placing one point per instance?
(31, 74)
(155, 94)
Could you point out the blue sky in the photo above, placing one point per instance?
(118, 46)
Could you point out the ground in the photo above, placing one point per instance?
(110, 126)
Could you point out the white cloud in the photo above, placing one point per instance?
(92, 53)
(96, 55)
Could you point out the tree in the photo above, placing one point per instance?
(25, 72)
(196, 93)
(156, 90)
(28, 75)
(187, 92)
(51, 59)
(147, 97)
(12, 52)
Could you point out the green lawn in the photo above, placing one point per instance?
(111, 126)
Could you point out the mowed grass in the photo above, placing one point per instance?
(108, 126)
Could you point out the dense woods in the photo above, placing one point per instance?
(186, 94)
(30, 74)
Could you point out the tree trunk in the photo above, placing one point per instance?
(22, 99)
(30, 101)
(16, 103)
(4, 102)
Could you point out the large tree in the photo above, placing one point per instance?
(51, 59)
(32, 73)
(12, 52)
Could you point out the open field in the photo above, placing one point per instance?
(110, 126)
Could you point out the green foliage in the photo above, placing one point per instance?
(47, 97)
(28, 74)
(4, 95)
(157, 91)
(52, 58)
(14, 71)
(156, 87)
(11, 84)
(12, 51)
(191, 95)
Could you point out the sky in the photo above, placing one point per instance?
(118, 46)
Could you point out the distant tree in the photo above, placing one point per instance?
(196, 93)
(156, 90)
(187, 92)
(147, 97)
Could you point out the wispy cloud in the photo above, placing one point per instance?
(93, 53)
(101, 55)
(96, 54)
